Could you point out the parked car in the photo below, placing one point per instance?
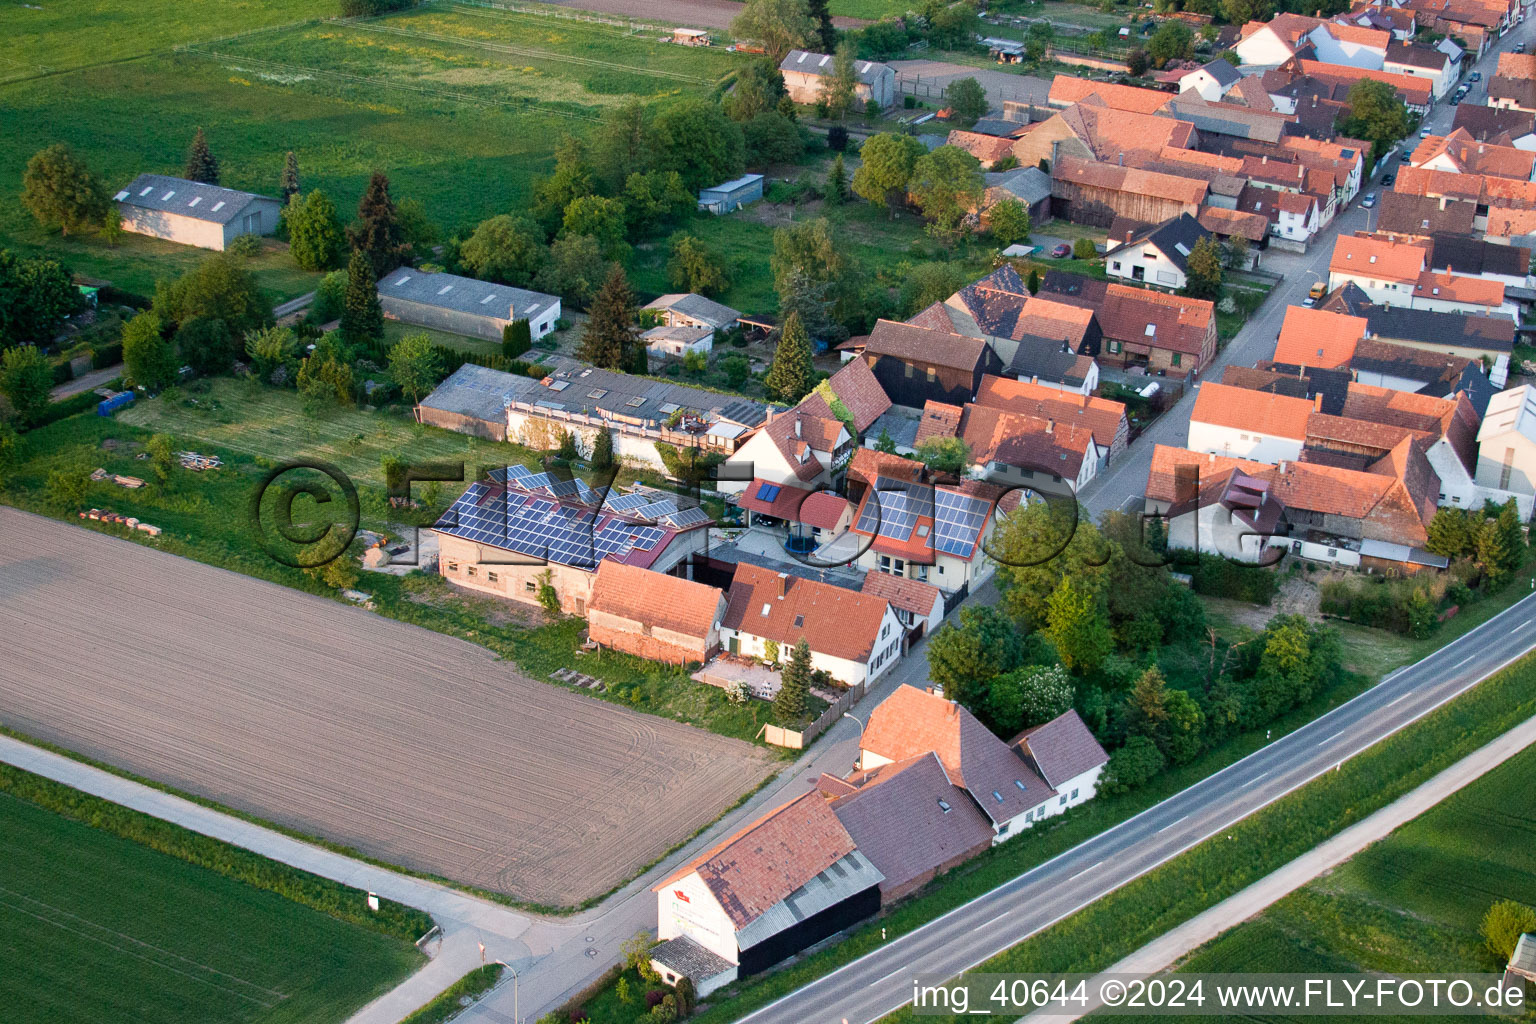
(1477, 76)
(1423, 133)
(1387, 180)
(1369, 201)
(1061, 251)
(1519, 47)
(1316, 292)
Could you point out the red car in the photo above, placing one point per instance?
(1061, 252)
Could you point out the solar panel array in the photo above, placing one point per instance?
(687, 517)
(626, 502)
(957, 522)
(542, 528)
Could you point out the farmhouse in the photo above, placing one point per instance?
(1211, 81)
(853, 637)
(805, 74)
(1087, 192)
(518, 532)
(1163, 333)
(463, 305)
(653, 615)
(915, 365)
(192, 213)
(1157, 255)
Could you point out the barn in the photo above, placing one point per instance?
(463, 305)
(194, 213)
(1086, 192)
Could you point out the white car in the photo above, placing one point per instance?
(1424, 133)
(1369, 201)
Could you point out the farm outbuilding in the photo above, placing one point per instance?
(472, 401)
(731, 195)
(193, 213)
(463, 305)
(805, 72)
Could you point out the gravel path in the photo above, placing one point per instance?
(411, 746)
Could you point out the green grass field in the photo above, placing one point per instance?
(1410, 904)
(95, 927)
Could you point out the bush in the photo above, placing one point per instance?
(1215, 576)
(245, 245)
(1503, 925)
(837, 138)
(1083, 249)
(107, 355)
(339, 901)
(1133, 765)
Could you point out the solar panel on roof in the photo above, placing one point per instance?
(688, 517)
(624, 502)
(656, 509)
(958, 519)
(768, 492)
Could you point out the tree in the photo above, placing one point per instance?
(821, 13)
(835, 192)
(1203, 272)
(602, 451)
(1185, 727)
(1008, 221)
(218, 287)
(837, 89)
(1033, 282)
(505, 248)
(325, 378)
(290, 181)
(792, 374)
(811, 301)
(736, 370)
(772, 138)
(883, 176)
(26, 380)
(362, 318)
(611, 337)
(36, 294)
(1234, 251)
(516, 338)
(1503, 925)
(694, 138)
(1026, 697)
(1136, 62)
(315, 234)
(1075, 624)
(885, 442)
(377, 231)
(808, 254)
(201, 163)
(1450, 534)
(162, 456)
(57, 188)
(945, 455)
(759, 87)
(572, 179)
(1133, 765)
(575, 270)
(794, 684)
(965, 657)
(695, 267)
(1376, 115)
(1240, 12)
(1493, 552)
(415, 366)
(206, 344)
(274, 355)
(149, 359)
(946, 185)
(928, 283)
(778, 26)
(1084, 249)
(1173, 40)
(967, 101)
(68, 485)
(599, 218)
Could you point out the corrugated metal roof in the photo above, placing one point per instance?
(184, 198)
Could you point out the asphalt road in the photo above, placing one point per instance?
(881, 981)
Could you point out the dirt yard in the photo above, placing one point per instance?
(691, 13)
(408, 745)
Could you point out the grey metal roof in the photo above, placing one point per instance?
(902, 426)
(1223, 71)
(1524, 957)
(868, 71)
(475, 391)
(212, 203)
(464, 294)
(696, 306)
(626, 396)
(735, 184)
(836, 576)
(1029, 184)
(690, 959)
(848, 877)
(1398, 323)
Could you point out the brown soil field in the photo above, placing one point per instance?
(408, 745)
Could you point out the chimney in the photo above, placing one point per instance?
(1317, 403)
(797, 426)
(1050, 426)
(1122, 159)
(783, 585)
(1282, 465)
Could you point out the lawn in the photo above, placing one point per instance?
(97, 927)
(394, 330)
(1410, 904)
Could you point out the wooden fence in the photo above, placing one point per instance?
(782, 737)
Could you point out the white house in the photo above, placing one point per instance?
(1158, 255)
(806, 74)
(1350, 45)
(1423, 62)
(1213, 81)
(1387, 272)
(1506, 445)
(854, 637)
(1299, 218)
(1244, 424)
(1455, 293)
(919, 606)
(1065, 754)
(688, 309)
(194, 213)
(677, 342)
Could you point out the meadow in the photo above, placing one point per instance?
(97, 927)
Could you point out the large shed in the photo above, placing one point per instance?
(805, 72)
(194, 213)
(731, 195)
(463, 305)
(473, 400)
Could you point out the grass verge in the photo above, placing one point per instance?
(453, 998)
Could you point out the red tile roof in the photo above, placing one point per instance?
(1469, 156)
(655, 599)
(823, 509)
(986, 148)
(856, 386)
(1263, 412)
(1379, 260)
(911, 722)
(905, 594)
(835, 622)
(940, 419)
(868, 465)
(918, 345)
(1068, 89)
(785, 504)
(1113, 178)
(1456, 288)
(1034, 443)
(756, 868)
(1315, 337)
(1103, 417)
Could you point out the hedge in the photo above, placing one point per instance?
(120, 297)
(63, 372)
(107, 355)
(1215, 576)
(332, 898)
(74, 405)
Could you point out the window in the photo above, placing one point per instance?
(1019, 783)
(492, 577)
(1178, 357)
(799, 621)
(883, 633)
(530, 586)
(944, 806)
(1074, 794)
(1115, 266)
(453, 566)
(910, 369)
(932, 375)
(1063, 802)
(1114, 347)
(470, 570)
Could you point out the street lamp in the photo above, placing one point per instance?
(516, 1017)
(861, 735)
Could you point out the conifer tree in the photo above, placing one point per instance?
(290, 186)
(201, 163)
(362, 318)
(611, 335)
(836, 192)
(377, 231)
(795, 682)
(792, 374)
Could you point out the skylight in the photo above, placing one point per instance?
(445, 289)
(597, 393)
(194, 200)
(944, 806)
(635, 403)
(147, 191)
(120, 196)
(1183, 249)
(997, 796)
(402, 279)
(167, 197)
(1019, 783)
(766, 609)
(488, 298)
(218, 206)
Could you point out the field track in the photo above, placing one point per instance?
(413, 747)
